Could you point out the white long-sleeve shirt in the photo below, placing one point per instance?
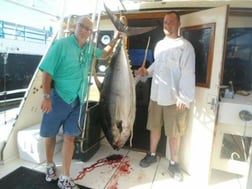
(173, 72)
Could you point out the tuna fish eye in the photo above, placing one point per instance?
(119, 125)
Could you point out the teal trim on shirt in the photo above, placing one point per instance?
(69, 65)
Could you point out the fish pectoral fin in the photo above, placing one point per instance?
(131, 137)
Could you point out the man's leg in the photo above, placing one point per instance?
(154, 124)
(70, 126)
(151, 156)
(67, 153)
(154, 140)
(175, 126)
(174, 148)
(50, 143)
(65, 180)
(174, 168)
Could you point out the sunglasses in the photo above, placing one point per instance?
(81, 57)
(82, 26)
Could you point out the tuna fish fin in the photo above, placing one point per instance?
(131, 137)
(121, 27)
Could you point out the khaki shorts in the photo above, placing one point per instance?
(173, 120)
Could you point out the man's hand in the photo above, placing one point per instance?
(118, 35)
(46, 105)
(142, 71)
(180, 105)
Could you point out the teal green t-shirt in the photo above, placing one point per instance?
(69, 66)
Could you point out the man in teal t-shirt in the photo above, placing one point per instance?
(67, 64)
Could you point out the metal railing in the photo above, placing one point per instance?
(9, 30)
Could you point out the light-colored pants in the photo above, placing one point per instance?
(173, 120)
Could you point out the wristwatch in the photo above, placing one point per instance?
(47, 96)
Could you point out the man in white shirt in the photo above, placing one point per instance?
(172, 90)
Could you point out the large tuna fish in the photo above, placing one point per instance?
(117, 99)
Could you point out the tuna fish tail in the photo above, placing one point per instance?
(121, 27)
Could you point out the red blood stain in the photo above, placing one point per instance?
(123, 170)
(125, 167)
(113, 160)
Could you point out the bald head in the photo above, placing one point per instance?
(84, 28)
(84, 20)
(84, 23)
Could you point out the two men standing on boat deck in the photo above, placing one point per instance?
(172, 90)
(67, 64)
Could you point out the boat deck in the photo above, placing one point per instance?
(97, 173)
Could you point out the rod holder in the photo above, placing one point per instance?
(245, 115)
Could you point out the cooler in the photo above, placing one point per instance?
(31, 145)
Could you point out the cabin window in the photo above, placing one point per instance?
(202, 39)
(238, 64)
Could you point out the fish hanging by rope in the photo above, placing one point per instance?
(119, 24)
(117, 99)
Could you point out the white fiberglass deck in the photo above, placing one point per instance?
(127, 174)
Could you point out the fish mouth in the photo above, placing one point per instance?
(114, 139)
(118, 144)
(115, 147)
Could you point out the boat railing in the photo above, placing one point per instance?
(9, 30)
(11, 96)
